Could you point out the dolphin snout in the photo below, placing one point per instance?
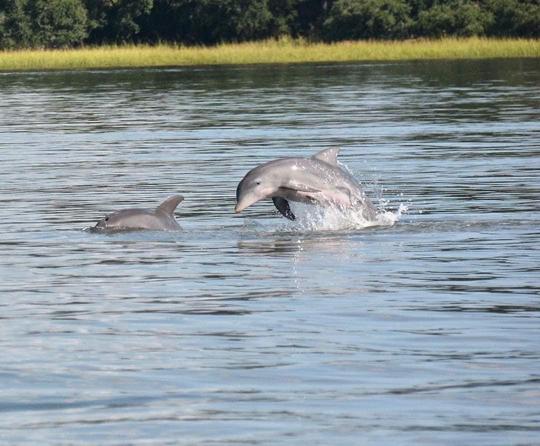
(245, 202)
(249, 193)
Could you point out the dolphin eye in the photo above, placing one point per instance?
(258, 182)
(106, 218)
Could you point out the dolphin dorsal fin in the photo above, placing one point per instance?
(328, 155)
(170, 204)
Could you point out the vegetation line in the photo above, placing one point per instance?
(267, 51)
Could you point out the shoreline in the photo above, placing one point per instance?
(283, 51)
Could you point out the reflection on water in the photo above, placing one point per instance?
(250, 328)
(279, 244)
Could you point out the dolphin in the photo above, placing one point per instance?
(158, 219)
(315, 180)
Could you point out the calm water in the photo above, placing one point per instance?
(249, 329)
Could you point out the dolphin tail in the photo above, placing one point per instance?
(283, 207)
(170, 204)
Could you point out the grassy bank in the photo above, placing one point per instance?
(271, 51)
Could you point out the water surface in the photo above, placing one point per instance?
(249, 329)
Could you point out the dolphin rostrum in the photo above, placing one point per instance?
(315, 180)
(158, 219)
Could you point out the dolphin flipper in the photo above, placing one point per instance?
(170, 204)
(283, 207)
(301, 187)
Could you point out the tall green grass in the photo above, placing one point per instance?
(269, 51)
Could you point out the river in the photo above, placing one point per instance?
(248, 328)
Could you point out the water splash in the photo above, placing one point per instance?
(317, 218)
(336, 218)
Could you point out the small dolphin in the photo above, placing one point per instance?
(159, 219)
(315, 180)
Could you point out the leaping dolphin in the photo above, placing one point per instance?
(159, 219)
(315, 180)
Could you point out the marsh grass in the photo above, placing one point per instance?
(269, 51)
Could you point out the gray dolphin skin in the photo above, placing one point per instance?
(158, 219)
(315, 180)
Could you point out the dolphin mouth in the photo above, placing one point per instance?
(245, 203)
(238, 208)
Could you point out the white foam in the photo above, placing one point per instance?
(318, 218)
